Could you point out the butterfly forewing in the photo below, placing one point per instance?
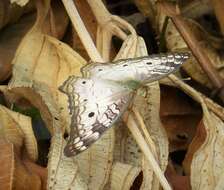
(95, 105)
(142, 69)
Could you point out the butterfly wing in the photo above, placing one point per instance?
(142, 69)
(94, 105)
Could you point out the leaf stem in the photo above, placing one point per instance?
(133, 127)
(82, 31)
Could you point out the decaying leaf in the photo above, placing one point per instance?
(10, 13)
(204, 157)
(62, 171)
(205, 154)
(18, 147)
(122, 176)
(10, 38)
(179, 121)
(178, 182)
(17, 129)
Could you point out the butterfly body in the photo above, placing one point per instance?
(98, 99)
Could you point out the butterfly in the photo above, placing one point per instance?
(98, 98)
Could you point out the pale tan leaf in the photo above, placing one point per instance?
(207, 166)
(95, 163)
(7, 164)
(38, 74)
(123, 176)
(114, 26)
(148, 104)
(62, 171)
(17, 129)
(18, 144)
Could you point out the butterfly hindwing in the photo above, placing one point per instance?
(94, 105)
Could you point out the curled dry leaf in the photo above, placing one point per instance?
(204, 158)
(12, 35)
(17, 129)
(18, 146)
(38, 74)
(95, 163)
(14, 174)
(6, 179)
(62, 171)
(148, 103)
(122, 176)
(130, 47)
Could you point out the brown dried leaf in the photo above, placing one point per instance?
(17, 129)
(179, 121)
(218, 6)
(10, 13)
(18, 143)
(205, 155)
(10, 38)
(208, 159)
(178, 182)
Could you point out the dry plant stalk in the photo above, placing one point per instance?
(193, 44)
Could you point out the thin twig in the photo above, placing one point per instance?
(145, 131)
(199, 53)
(82, 31)
(197, 96)
(133, 127)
